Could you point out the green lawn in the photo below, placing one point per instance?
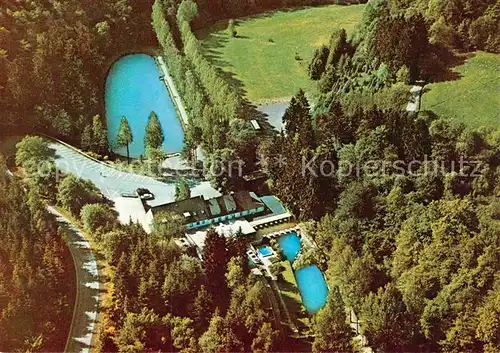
(474, 98)
(262, 56)
(293, 300)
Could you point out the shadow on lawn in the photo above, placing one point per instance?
(290, 293)
(450, 60)
(248, 110)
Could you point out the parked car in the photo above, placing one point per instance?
(145, 194)
(142, 191)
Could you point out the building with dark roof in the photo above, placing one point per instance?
(198, 212)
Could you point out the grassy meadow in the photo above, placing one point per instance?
(474, 97)
(261, 59)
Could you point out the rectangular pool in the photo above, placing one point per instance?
(290, 244)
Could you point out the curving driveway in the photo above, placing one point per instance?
(85, 312)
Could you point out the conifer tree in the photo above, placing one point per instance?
(297, 120)
(182, 191)
(125, 137)
(215, 263)
(154, 133)
(99, 135)
(86, 140)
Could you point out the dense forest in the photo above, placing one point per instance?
(411, 247)
(37, 285)
(468, 25)
(404, 205)
(165, 300)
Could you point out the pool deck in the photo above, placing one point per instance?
(275, 230)
(169, 82)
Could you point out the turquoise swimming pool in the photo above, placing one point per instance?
(134, 89)
(265, 251)
(310, 279)
(290, 244)
(312, 287)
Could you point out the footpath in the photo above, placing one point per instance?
(169, 82)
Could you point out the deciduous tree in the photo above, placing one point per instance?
(333, 333)
(168, 225)
(98, 217)
(33, 151)
(75, 193)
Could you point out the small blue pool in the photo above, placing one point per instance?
(134, 90)
(265, 251)
(290, 244)
(312, 287)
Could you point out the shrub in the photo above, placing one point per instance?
(94, 155)
(403, 75)
(74, 193)
(98, 217)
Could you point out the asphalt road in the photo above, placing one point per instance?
(85, 314)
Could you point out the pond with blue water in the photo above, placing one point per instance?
(134, 89)
(310, 279)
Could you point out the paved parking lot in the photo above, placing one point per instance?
(113, 183)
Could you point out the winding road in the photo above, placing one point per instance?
(85, 312)
(86, 305)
